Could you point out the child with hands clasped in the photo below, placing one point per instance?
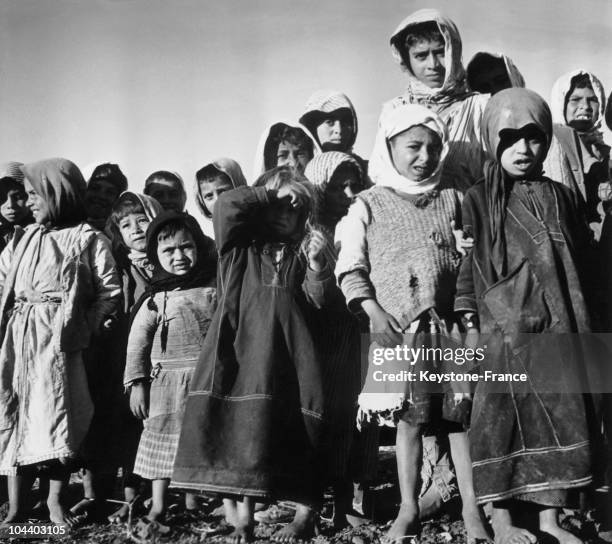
(253, 419)
(398, 263)
(169, 324)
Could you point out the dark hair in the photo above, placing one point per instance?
(427, 31)
(165, 175)
(111, 173)
(171, 228)
(348, 167)
(313, 119)
(284, 133)
(127, 205)
(210, 171)
(7, 183)
(582, 81)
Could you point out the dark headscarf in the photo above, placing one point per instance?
(510, 109)
(60, 183)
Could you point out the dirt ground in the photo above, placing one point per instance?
(192, 528)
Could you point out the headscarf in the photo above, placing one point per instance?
(392, 122)
(226, 166)
(159, 174)
(473, 67)
(558, 102)
(60, 183)
(324, 102)
(454, 86)
(510, 109)
(12, 170)
(151, 209)
(320, 171)
(273, 130)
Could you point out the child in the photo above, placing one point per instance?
(13, 209)
(127, 229)
(213, 179)
(107, 182)
(529, 447)
(59, 283)
(331, 119)
(168, 189)
(253, 417)
(489, 73)
(165, 340)
(283, 144)
(398, 264)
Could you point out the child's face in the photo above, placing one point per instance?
(168, 193)
(293, 155)
(99, 198)
(521, 151)
(282, 218)
(133, 228)
(211, 188)
(335, 133)
(416, 152)
(14, 209)
(177, 254)
(427, 62)
(341, 191)
(582, 109)
(37, 204)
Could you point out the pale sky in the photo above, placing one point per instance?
(173, 84)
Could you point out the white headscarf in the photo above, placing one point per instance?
(562, 87)
(392, 122)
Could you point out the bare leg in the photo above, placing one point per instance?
(18, 486)
(549, 523)
(409, 454)
(472, 515)
(301, 528)
(231, 512)
(158, 502)
(191, 502)
(244, 522)
(58, 514)
(505, 531)
(130, 492)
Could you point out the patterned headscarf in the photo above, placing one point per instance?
(324, 102)
(60, 183)
(382, 171)
(226, 166)
(515, 77)
(455, 85)
(12, 170)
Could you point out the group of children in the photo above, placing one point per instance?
(132, 341)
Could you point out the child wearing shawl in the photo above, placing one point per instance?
(168, 189)
(127, 226)
(530, 445)
(284, 144)
(13, 209)
(59, 286)
(253, 419)
(489, 73)
(168, 326)
(106, 183)
(427, 45)
(398, 264)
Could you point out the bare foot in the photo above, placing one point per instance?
(563, 536)
(240, 535)
(405, 526)
(514, 535)
(13, 516)
(58, 515)
(301, 528)
(120, 515)
(475, 527)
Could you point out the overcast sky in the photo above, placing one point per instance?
(172, 84)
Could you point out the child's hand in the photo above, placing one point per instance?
(295, 193)
(139, 400)
(316, 244)
(383, 324)
(461, 243)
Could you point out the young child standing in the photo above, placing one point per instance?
(168, 327)
(59, 283)
(398, 263)
(168, 189)
(13, 209)
(253, 418)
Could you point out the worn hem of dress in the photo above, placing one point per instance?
(531, 451)
(531, 488)
(220, 489)
(65, 452)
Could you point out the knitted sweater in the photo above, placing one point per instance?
(401, 254)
